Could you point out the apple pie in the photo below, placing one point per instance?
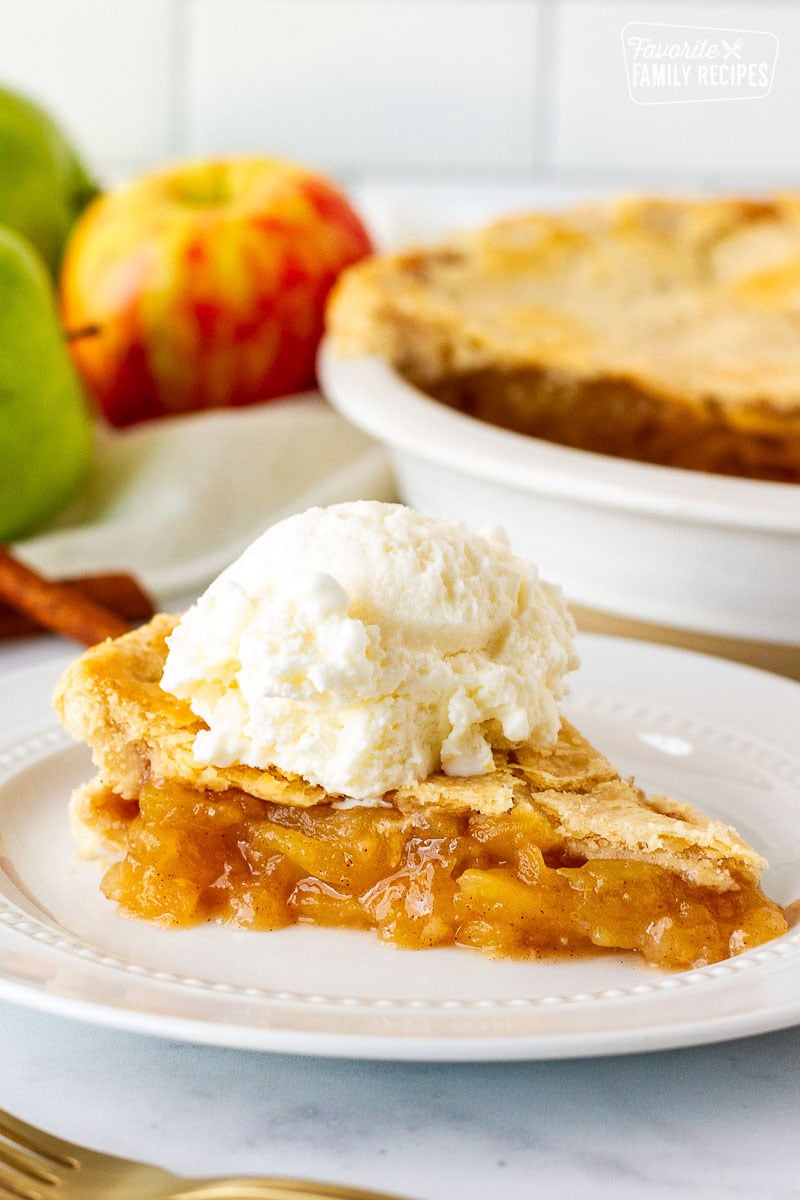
(551, 852)
(666, 331)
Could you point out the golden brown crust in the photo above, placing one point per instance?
(660, 329)
(111, 698)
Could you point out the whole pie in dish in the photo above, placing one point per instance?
(666, 331)
(549, 852)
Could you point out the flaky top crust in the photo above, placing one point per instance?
(111, 698)
(695, 303)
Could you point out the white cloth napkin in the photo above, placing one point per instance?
(174, 501)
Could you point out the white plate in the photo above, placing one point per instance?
(661, 545)
(716, 734)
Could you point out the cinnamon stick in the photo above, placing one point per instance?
(119, 592)
(56, 606)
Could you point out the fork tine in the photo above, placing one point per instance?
(25, 1165)
(17, 1190)
(14, 1130)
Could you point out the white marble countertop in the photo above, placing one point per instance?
(719, 1121)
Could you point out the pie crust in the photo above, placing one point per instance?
(661, 330)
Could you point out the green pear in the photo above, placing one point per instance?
(43, 184)
(45, 431)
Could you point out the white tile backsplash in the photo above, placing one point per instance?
(513, 93)
(101, 66)
(598, 127)
(409, 84)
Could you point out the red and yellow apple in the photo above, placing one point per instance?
(203, 286)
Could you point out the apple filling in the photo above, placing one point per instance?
(420, 878)
(614, 417)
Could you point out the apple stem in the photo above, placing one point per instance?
(83, 331)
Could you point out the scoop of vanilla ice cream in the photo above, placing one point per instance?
(364, 646)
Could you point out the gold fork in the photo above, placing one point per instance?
(36, 1166)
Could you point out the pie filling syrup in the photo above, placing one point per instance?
(613, 417)
(501, 884)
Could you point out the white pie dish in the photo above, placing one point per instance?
(672, 547)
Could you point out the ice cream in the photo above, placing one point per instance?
(364, 646)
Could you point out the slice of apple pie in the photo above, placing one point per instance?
(552, 851)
